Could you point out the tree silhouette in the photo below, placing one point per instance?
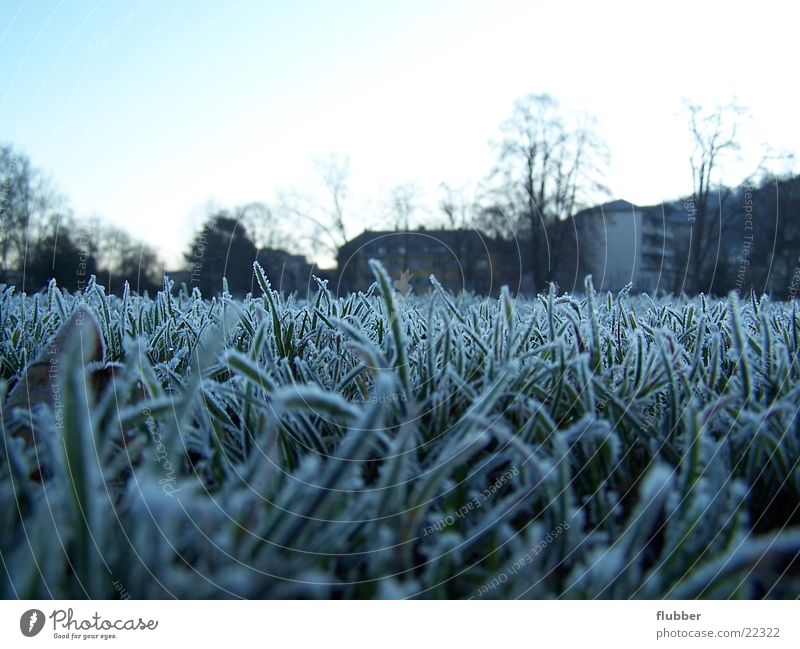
(714, 136)
(222, 248)
(122, 258)
(549, 165)
(61, 255)
(27, 201)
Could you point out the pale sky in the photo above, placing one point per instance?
(144, 111)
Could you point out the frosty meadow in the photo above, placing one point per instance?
(365, 446)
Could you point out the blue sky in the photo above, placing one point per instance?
(144, 111)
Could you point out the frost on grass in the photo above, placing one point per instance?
(357, 447)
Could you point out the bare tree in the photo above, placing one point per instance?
(459, 205)
(264, 226)
(318, 221)
(121, 257)
(549, 166)
(403, 205)
(335, 172)
(27, 200)
(714, 134)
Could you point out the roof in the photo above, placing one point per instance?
(423, 239)
(440, 234)
(618, 205)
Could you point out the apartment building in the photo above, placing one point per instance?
(624, 243)
(462, 259)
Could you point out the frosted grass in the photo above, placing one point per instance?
(313, 440)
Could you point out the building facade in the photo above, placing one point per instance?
(645, 246)
(461, 260)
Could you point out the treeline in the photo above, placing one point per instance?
(757, 228)
(41, 238)
(549, 165)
